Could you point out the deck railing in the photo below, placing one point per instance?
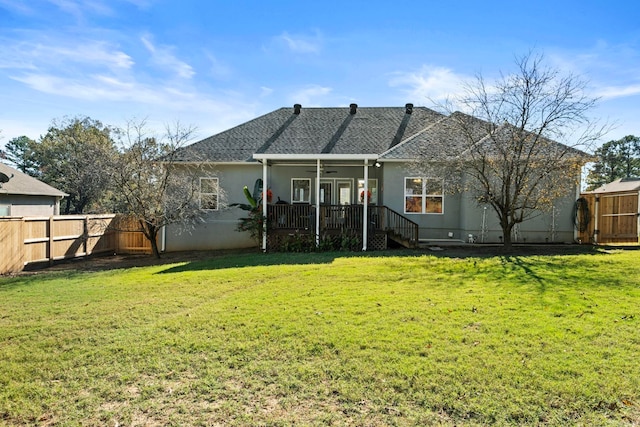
(302, 217)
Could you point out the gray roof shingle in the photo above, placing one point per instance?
(393, 133)
(371, 130)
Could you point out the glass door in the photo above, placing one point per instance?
(344, 192)
(326, 192)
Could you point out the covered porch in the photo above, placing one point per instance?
(320, 207)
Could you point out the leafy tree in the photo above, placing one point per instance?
(510, 159)
(19, 151)
(154, 189)
(73, 157)
(615, 159)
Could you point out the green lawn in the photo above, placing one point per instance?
(327, 339)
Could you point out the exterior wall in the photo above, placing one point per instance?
(463, 216)
(432, 226)
(22, 205)
(217, 231)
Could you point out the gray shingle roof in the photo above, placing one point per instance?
(21, 183)
(389, 132)
(371, 130)
(442, 139)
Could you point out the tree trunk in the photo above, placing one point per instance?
(506, 237)
(150, 231)
(154, 245)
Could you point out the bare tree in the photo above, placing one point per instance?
(153, 187)
(510, 155)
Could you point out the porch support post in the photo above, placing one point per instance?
(317, 203)
(365, 207)
(265, 187)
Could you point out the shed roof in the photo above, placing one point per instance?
(619, 185)
(23, 184)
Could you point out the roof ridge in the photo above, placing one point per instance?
(408, 139)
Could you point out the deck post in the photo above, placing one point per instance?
(264, 204)
(365, 204)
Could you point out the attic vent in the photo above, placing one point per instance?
(296, 108)
(408, 108)
(353, 108)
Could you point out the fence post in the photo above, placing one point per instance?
(51, 240)
(85, 235)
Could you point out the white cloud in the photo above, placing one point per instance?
(217, 68)
(37, 55)
(164, 57)
(308, 95)
(610, 92)
(265, 91)
(300, 43)
(437, 84)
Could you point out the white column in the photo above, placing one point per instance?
(365, 209)
(265, 187)
(317, 202)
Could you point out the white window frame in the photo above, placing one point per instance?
(295, 196)
(424, 195)
(8, 209)
(215, 194)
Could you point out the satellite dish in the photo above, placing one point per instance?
(4, 178)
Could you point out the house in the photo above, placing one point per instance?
(332, 170)
(23, 195)
(610, 213)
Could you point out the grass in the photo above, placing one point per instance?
(326, 339)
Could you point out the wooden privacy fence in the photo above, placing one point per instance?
(607, 218)
(30, 240)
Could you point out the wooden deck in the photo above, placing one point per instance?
(383, 223)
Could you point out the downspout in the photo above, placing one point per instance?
(317, 203)
(163, 239)
(264, 205)
(365, 209)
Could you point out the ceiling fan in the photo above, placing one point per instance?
(322, 170)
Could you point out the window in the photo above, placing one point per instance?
(5, 210)
(373, 191)
(423, 195)
(209, 194)
(301, 190)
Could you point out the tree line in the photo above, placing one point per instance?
(107, 169)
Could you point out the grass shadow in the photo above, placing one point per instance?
(251, 260)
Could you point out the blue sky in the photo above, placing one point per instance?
(215, 64)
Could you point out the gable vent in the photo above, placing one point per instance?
(353, 108)
(296, 108)
(408, 108)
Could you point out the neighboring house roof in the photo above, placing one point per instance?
(23, 184)
(619, 185)
(390, 133)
